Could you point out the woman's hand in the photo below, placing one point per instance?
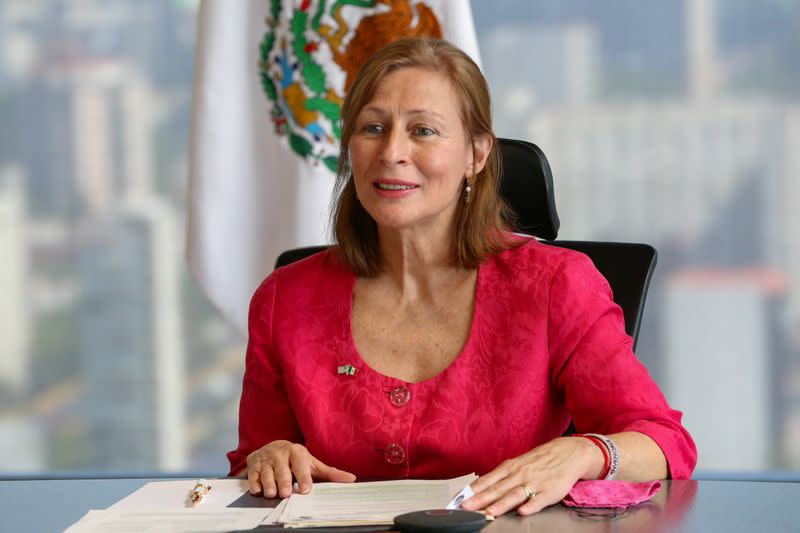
(271, 467)
(548, 471)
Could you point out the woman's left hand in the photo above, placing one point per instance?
(548, 472)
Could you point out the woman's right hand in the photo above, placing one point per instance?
(271, 467)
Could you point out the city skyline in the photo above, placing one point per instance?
(108, 337)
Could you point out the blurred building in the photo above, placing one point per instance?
(18, 44)
(131, 339)
(724, 360)
(638, 42)
(94, 99)
(21, 444)
(671, 166)
(15, 326)
(93, 120)
(701, 49)
(791, 433)
(565, 71)
(83, 105)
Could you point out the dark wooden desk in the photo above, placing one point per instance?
(702, 506)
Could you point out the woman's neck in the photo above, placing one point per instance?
(418, 264)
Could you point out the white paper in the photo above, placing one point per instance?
(174, 494)
(462, 495)
(174, 521)
(275, 514)
(368, 503)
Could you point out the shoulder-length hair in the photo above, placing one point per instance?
(481, 227)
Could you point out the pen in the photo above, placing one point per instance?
(201, 488)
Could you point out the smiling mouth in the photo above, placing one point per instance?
(394, 187)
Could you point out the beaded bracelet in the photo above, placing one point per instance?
(613, 452)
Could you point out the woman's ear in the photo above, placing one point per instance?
(481, 147)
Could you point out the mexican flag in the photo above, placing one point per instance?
(270, 77)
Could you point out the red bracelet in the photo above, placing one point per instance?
(606, 454)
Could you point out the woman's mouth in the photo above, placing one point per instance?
(394, 189)
(394, 186)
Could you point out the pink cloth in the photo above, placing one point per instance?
(611, 494)
(547, 344)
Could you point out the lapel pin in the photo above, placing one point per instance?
(348, 370)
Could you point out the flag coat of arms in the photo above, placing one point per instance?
(270, 79)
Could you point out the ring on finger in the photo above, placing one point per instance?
(529, 493)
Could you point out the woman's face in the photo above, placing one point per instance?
(409, 152)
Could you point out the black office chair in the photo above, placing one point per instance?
(527, 186)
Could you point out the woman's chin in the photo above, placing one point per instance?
(412, 222)
(395, 219)
(396, 224)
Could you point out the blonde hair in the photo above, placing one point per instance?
(481, 227)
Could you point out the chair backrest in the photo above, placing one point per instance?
(526, 185)
(628, 267)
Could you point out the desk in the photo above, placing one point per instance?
(707, 506)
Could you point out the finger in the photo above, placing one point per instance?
(283, 479)
(510, 500)
(322, 471)
(268, 486)
(300, 463)
(487, 480)
(537, 503)
(254, 478)
(489, 495)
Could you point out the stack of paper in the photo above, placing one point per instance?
(164, 506)
(377, 503)
(174, 494)
(174, 521)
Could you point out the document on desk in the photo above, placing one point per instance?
(166, 506)
(373, 503)
(177, 520)
(174, 494)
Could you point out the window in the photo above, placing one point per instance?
(719, 330)
(671, 123)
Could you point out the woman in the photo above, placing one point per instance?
(431, 342)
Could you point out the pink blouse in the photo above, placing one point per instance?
(547, 345)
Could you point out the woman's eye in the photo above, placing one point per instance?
(423, 131)
(372, 128)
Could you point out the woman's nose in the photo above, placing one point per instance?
(395, 148)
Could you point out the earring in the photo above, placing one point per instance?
(467, 190)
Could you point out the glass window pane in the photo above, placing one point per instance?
(676, 124)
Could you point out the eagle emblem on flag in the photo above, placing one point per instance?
(310, 55)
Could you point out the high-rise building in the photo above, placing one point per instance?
(565, 72)
(19, 48)
(791, 432)
(723, 362)
(131, 338)
(701, 50)
(669, 167)
(22, 445)
(15, 325)
(93, 121)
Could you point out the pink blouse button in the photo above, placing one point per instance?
(394, 454)
(400, 396)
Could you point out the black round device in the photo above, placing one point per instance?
(440, 521)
